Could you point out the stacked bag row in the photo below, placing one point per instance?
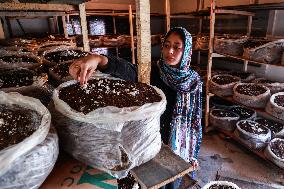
(255, 49)
(257, 133)
(245, 89)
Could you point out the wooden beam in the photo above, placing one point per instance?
(249, 25)
(105, 6)
(114, 31)
(30, 14)
(168, 14)
(131, 34)
(209, 66)
(64, 26)
(2, 33)
(244, 13)
(164, 168)
(143, 46)
(83, 18)
(35, 7)
(55, 23)
(102, 14)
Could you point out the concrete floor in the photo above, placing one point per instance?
(224, 159)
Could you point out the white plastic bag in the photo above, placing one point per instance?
(31, 169)
(112, 139)
(253, 141)
(222, 183)
(10, 154)
(271, 156)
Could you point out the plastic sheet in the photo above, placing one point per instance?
(274, 109)
(253, 141)
(112, 139)
(31, 169)
(223, 183)
(251, 101)
(10, 154)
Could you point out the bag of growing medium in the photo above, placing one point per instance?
(31, 169)
(110, 138)
(28, 162)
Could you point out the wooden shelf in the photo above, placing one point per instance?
(218, 55)
(259, 111)
(259, 153)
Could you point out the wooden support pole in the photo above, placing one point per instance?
(249, 25)
(143, 46)
(209, 66)
(64, 26)
(83, 18)
(168, 14)
(131, 34)
(55, 23)
(114, 30)
(2, 34)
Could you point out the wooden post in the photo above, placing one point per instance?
(131, 34)
(55, 23)
(143, 46)
(64, 26)
(2, 34)
(114, 30)
(168, 14)
(83, 18)
(249, 25)
(209, 66)
(274, 22)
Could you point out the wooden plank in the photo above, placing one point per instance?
(209, 66)
(168, 14)
(102, 14)
(114, 30)
(143, 46)
(224, 11)
(131, 34)
(64, 26)
(31, 14)
(105, 6)
(35, 7)
(2, 33)
(55, 23)
(84, 27)
(219, 55)
(164, 168)
(249, 25)
(274, 22)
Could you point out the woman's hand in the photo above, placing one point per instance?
(82, 69)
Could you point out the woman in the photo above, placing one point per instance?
(181, 122)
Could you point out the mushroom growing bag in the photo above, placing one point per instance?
(27, 163)
(110, 138)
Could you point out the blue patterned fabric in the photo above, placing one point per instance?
(186, 129)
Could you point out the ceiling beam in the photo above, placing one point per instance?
(36, 7)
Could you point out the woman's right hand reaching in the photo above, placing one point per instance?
(82, 69)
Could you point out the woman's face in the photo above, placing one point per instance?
(173, 50)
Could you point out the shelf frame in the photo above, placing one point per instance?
(211, 54)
